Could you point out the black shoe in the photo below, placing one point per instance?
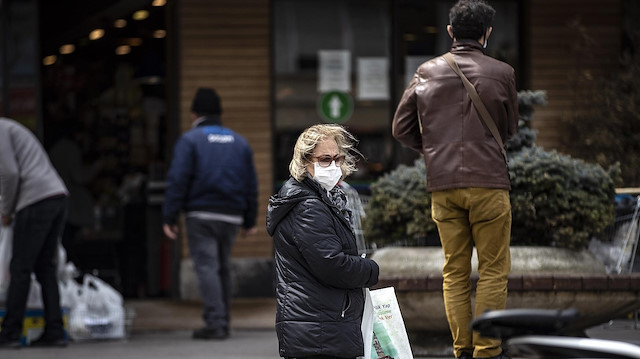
(50, 341)
(211, 333)
(465, 355)
(7, 341)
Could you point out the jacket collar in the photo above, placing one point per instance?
(209, 120)
(324, 196)
(466, 46)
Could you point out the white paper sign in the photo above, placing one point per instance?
(334, 70)
(373, 78)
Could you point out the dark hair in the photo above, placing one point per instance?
(470, 19)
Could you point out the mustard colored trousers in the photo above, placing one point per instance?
(466, 217)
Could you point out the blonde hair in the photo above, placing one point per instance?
(309, 139)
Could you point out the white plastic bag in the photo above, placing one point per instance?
(367, 323)
(389, 333)
(34, 300)
(67, 289)
(6, 236)
(69, 293)
(98, 312)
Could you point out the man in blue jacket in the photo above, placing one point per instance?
(212, 179)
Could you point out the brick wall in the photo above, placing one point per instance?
(225, 44)
(568, 39)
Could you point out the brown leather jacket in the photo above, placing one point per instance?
(458, 148)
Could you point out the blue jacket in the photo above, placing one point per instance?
(212, 170)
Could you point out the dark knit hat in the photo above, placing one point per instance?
(206, 102)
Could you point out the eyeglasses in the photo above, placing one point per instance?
(325, 161)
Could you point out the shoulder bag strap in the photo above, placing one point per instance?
(477, 102)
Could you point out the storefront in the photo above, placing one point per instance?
(122, 76)
(104, 88)
(92, 80)
(366, 51)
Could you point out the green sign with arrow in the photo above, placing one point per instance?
(335, 106)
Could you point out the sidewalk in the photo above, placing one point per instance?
(162, 329)
(166, 314)
(252, 315)
(625, 330)
(243, 344)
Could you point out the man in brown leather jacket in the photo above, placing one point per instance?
(466, 171)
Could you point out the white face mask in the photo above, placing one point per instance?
(328, 177)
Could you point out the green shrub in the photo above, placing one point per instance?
(526, 136)
(399, 208)
(556, 200)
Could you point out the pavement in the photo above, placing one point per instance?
(162, 329)
(243, 343)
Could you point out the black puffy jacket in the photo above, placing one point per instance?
(319, 274)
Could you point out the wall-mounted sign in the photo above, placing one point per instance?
(373, 78)
(334, 70)
(335, 106)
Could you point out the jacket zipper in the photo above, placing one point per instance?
(347, 304)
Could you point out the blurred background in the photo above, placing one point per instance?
(116, 79)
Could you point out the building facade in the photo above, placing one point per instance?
(279, 66)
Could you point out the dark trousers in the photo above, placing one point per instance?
(210, 245)
(36, 232)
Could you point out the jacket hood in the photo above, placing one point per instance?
(280, 204)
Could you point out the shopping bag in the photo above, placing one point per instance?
(367, 323)
(390, 338)
(6, 236)
(98, 312)
(69, 290)
(34, 300)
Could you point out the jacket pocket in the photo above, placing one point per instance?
(346, 304)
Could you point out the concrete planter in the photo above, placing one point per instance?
(541, 277)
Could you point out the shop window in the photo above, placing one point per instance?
(422, 34)
(324, 46)
(104, 112)
(18, 62)
(368, 51)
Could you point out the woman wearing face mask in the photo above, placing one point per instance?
(319, 273)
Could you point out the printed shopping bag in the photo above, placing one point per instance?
(390, 340)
